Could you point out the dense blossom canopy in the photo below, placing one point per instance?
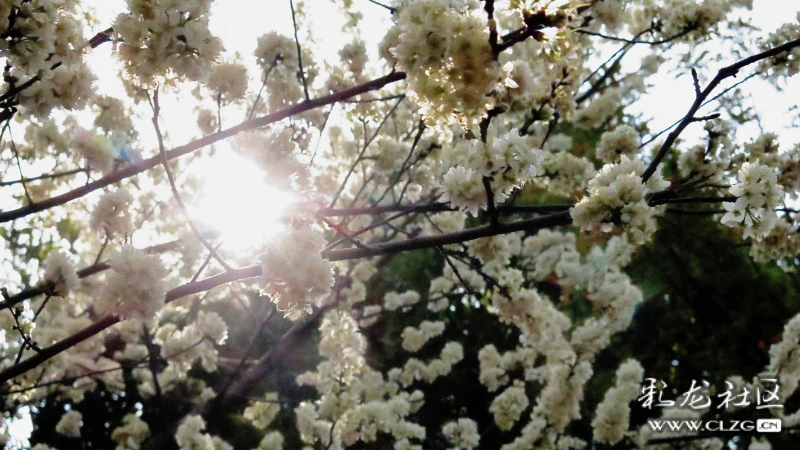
(424, 239)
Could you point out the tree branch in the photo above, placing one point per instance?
(722, 74)
(148, 164)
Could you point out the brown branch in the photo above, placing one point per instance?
(32, 292)
(109, 320)
(148, 164)
(299, 53)
(42, 177)
(561, 218)
(722, 74)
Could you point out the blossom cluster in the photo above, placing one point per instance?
(617, 199)
(508, 161)
(757, 195)
(444, 48)
(165, 41)
(293, 272)
(613, 413)
(135, 289)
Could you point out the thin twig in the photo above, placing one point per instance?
(174, 187)
(722, 74)
(299, 53)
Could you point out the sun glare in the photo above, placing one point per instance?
(238, 201)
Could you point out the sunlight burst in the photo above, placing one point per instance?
(237, 201)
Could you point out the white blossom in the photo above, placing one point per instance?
(624, 140)
(60, 273)
(135, 288)
(415, 338)
(132, 434)
(443, 46)
(463, 434)
(509, 405)
(112, 215)
(165, 41)
(617, 199)
(262, 413)
(227, 81)
(293, 272)
(613, 413)
(271, 441)
(70, 424)
(758, 194)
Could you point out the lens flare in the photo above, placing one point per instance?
(238, 201)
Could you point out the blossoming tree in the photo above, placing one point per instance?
(449, 238)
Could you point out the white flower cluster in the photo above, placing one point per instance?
(354, 55)
(613, 413)
(112, 116)
(111, 216)
(196, 341)
(163, 41)
(38, 34)
(227, 81)
(785, 64)
(274, 49)
(59, 274)
(262, 413)
(565, 174)
(612, 292)
(711, 159)
(416, 370)
(494, 367)
(624, 140)
(443, 46)
(293, 273)
(509, 406)
(617, 200)
(70, 424)
(68, 86)
(759, 445)
(541, 324)
(784, 358)
(277, 56)
(464, 189)
(609, 13)
(553, 252)
(271, 441)
(766, 150)
(135, 288)
(190, 436)
(681, 15)
(393, 301)
(415, 338)
(690, 19)
(599, 110)
(132, 434)
(463, 434)
(560, 400)
(496, 250)
(509, 161)
(782, 242)
(355, 403)
(758, 194)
